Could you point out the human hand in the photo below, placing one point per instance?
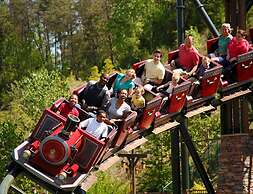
(91, 108)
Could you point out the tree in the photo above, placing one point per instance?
(109, 184)
(157, 171)
(205, 133)
(28, 97)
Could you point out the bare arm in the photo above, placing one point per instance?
(194, 69)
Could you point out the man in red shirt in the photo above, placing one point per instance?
(69, 108)
(188, 56)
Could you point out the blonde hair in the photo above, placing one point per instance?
(131, 71)
(206, 60)
(140, 89)
(176, 75)
(226, 25)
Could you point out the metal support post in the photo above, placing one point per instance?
(226, 118)
(185, 161)
(206, 18)
(236, 115)
(197, 160)
(244, 115)
(175, 161)
(180, 21)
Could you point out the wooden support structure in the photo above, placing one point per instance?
(133, 158)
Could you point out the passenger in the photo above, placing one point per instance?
(96, 126)
(117, 107)
(220, 53)
(154, 70)
(188, 57)
(239, 45)
(195, 87)
(96, 95)
(138, 101)
(69, 108)
(206, 61)
(124, 81)
(173, 83)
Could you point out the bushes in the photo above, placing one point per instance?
(9, 139)
(108, 184)
(26, 100)
(29, 96)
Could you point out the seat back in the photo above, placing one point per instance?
(153, 103)
(111, 80)
(212, 45)
(172, 55)
(244, 66)
(124, 128)
(178, 97)
(209, 83)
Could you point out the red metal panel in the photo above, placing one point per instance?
(124, 128)
(178, 97)
(210, 43)
(89, 152)
(244, 70)
(172, 55)
(210, 82)
(149, 112)
(135, 66)
(48, 120)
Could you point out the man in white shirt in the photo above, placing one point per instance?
(96, 126)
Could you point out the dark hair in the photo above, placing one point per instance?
(100, 111)
(118, 92)
(242, 32)
(104, 75)
(73, 95)
(158, 51)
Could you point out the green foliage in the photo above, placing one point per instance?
(109, 185)
(203, 128)
(205, 132)
(198, 186)
(214, 9)
(28, 97)
(9, 139)
(108, 67)
(94, 74)
(157, 172)
(126, 27)
(199, 43)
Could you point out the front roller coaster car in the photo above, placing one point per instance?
(59, 154)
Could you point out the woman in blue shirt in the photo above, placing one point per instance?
(124, 81)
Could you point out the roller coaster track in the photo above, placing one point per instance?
(112, 155)
(227, 96)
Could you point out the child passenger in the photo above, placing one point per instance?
(206, 61)
(174, 81)
(138, 101)
(69, 108)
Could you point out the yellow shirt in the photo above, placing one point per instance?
(137, 101)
